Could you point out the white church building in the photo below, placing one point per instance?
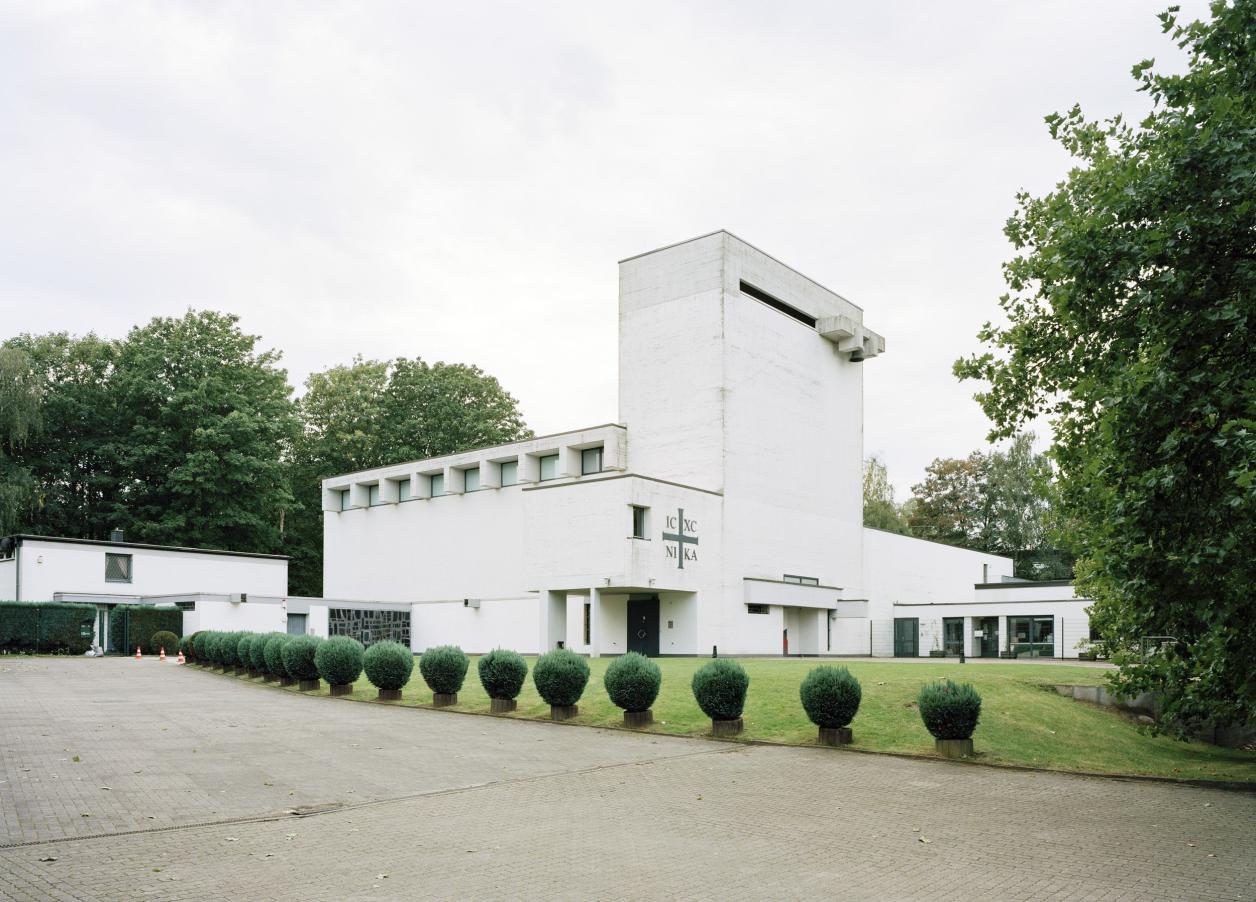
(723, 509)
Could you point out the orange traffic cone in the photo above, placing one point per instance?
(163, 654)
(137, 653)
(181, 660)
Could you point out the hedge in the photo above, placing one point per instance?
(187, 645)
(388, 665)
(444, 668)
(339, 660)
(46, 627)
(949, 710)
(502, 673)
(720, 688)
(200, 645)
(560, 677)
(632, 681)
(830, 696)
(244, 650)
(133, 625)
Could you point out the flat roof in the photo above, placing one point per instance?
(19, 538)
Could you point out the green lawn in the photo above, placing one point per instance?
(1022, 723)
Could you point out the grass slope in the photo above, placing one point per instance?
(1023, 722)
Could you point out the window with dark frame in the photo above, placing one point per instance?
(117, 568)
(591, 461)
(548, 466)
(588, 616)
(638, 522)
(756, 609)
(801, 580)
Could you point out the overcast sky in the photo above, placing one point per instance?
(457, 181)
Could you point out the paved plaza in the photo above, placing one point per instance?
(140, 780)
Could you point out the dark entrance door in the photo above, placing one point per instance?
(952, 636)
(906, 637)
(990, 637)
(643, 624)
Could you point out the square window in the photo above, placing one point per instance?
(638, 522)
(117, 568)
(549, 467)
(471, 480)
(590, 461)
(510, 472)
(372, 495)
(403, 490)
(438, 484)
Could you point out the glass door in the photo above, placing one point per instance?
(1031, 637)
(953, 636)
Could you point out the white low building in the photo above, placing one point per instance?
(110, 573)
(722, 510)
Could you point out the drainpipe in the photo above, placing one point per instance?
(17, 568)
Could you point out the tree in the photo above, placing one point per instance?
(207, 421)
(879, 509)
(21, 394)
(69, 458)
(1130, 312)
(951, 504)
(372, 413)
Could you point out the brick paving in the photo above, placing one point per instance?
(402, 803)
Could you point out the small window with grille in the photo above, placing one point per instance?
(117, 568)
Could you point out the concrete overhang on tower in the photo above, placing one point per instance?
(851, 337)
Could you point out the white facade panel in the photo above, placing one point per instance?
(52, 567)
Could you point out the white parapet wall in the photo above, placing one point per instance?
(226, 617)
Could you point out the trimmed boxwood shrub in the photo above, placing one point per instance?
(163, 639)
(502, 673)
(227, 649)
(560, 677)
(298, 657)
(339, 660)
(632, 681)
(949, 710)
(388, 665)
(187, 645)
(244, 647)
(257, 652)
(830, 696)
(444, 668)
(211, 647)
(48, 628)
(273, 647)
(200, 644)
(720, 688)
(218, 648)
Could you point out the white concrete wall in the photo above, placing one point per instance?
(8, 580)
(317, 621)
(226, 617)
(902, 570)
(507, 624)
(52, 567)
